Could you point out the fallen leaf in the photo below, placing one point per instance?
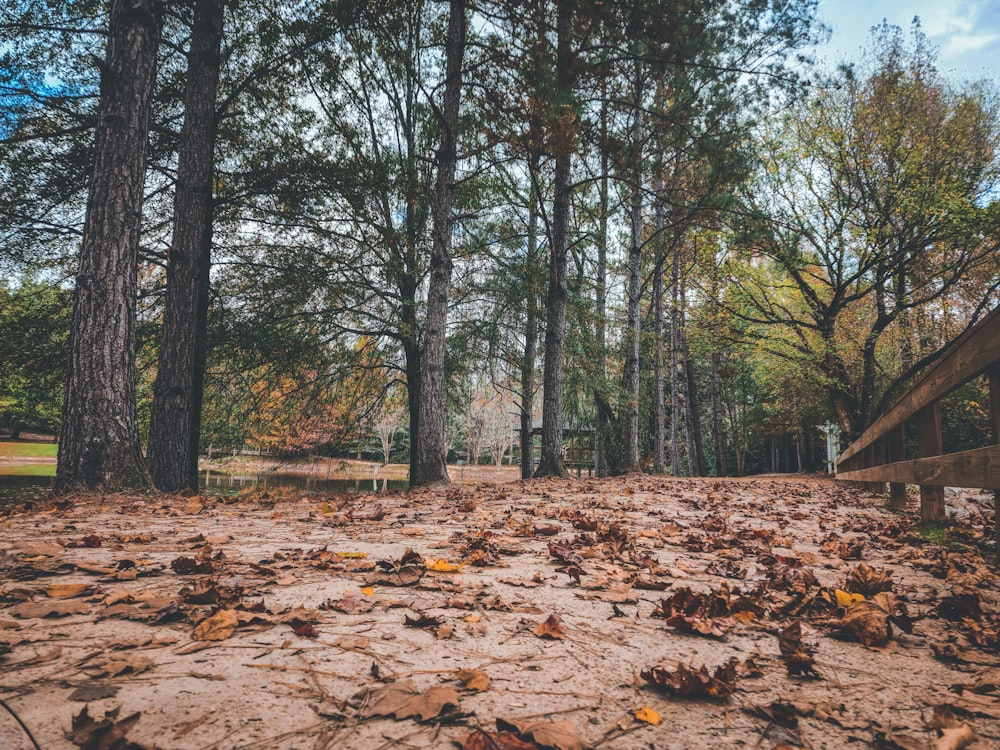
(867, 580)
(36, 549)
(422, 621)
(67, 590)
(694, 683)
(797, 645)
(473, 679)
(303, 628)
(349, 605)
(107, 734)
(403, 699)
(551, 627)
(559, 735)
(479, 739)
(112, 666)
(442, 566)
(648, 715)
(218, 627)
(187, 566)
(30, 610)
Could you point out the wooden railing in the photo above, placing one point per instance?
(878, 454)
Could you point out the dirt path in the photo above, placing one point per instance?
(303, 622)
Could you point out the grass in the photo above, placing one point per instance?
(28, 470)
(28, 450)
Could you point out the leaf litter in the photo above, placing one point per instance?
(828, 620)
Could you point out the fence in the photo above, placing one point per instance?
(878, 455)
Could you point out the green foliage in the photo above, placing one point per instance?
(34, 328)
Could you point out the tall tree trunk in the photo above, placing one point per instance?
(431, 467)
(675, 380)
(696, 449)
(551, 463)
(601, 290)
(718, 425)
(174, 428)
(99, 439)
(659, 410)
(630, 432)
(530, 334)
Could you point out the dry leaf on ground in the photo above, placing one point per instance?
(403, 699)
(689, 682)
(218, 627)
(559, 735)
(106, 734)
(480, 739)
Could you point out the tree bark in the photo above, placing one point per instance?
(530, 336)
(630, 432)
(718, 425)
(430, 464)
(601, 291)
(675, 380)
(99, 439)
(551, 463)
(175, 421)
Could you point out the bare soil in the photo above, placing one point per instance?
(574, 613)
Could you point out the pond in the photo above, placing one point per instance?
(23, 488)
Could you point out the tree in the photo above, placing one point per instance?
(99, 438)
(563, 136)
(175, 423)
(872, 210)
(430, 449)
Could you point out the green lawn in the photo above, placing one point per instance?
(29, 450)
(28, 470)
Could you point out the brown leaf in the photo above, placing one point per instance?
(106, 734)
(303, 628)
(30, 610)
(867, 581)
(67, 590)
(689, 682)
(218, 627)
(187, 566)
(34, 549)
(403, 699)
(479, 739)
(797, 647)
(559, 735)
(692, 612)
(550, 628)
(422, 621)
(473, 679)
(112, 666)
(349, 605)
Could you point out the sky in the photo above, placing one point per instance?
(966, 32)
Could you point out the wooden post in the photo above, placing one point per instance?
(897, 452)
(876, 457)
(993, 375)
(929, 444)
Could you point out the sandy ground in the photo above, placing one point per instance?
(547, 608)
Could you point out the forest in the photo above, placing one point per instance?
(650, 235)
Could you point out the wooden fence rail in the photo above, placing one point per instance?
(878, 455)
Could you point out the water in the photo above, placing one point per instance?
(20, 488)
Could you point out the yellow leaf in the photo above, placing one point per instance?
(353, 555)
(368, 591)
(327, 509)
(441, 566)
(472, 618)
(648, 715)
(845, 600)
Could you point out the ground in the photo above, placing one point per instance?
(566, 613)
